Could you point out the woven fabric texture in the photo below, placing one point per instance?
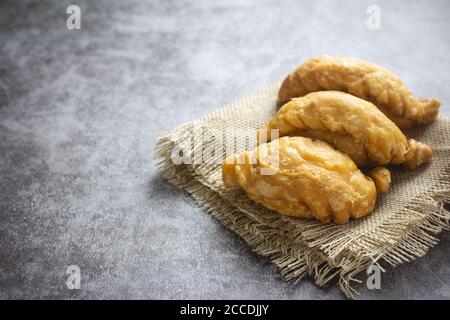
(402, 227)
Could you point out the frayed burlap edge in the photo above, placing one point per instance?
(295, 259)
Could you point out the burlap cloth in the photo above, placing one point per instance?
(402, 227)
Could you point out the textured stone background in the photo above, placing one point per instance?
(80, 111)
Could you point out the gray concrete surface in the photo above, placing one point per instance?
(80, 111)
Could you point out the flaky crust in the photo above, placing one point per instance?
(353, 125)
(364, 80)
(417, 154)
(381, 177)
(311, 180)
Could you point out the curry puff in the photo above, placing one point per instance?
(364, 80)
(307, 178)
(352, 125)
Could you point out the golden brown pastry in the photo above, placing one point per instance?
(364, 80)
(417, 154)
(382, 178)
(352, 125)
(309, 179)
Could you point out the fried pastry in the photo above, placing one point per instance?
(381, 177)
(353, 125)
(364, 80)
(309, 179)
